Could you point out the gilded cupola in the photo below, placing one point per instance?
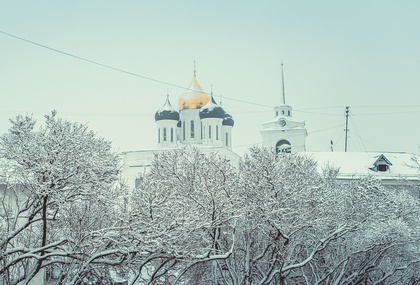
(194, 98)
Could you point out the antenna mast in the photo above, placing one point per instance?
(347, 127)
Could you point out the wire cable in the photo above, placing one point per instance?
(121, 70)
(357, 131)
(304, 110)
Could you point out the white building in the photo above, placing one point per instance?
(283, 132)
(395, 169)
(199, 121)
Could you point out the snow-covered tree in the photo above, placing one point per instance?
(275, 221)
(194, 218)
(185, 211)
(382, 248)
(284, 225)
(305, 227)
(56, 199)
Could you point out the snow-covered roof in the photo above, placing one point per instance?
(179, 146)
(356, 164)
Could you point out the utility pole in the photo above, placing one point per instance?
(347, 127)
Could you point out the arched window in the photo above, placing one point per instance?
(172, 134)
(209, 132)
(227, 139)
(283, 146)
(217, 132)
(192, 129)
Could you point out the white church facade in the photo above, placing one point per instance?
(199, 121)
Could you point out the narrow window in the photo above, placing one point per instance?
(282, 112)
(159, 135)
(217, 132)
(209, 132)
(164, 134)
(172, 134)
(227, 139)
(192, 129)
(204, 132)
(183, 130)
(288, 112)
(201, 128)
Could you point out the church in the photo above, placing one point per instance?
(201, 122)
(198, 121)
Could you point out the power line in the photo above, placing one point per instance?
(389, 113)
(121, 70)
(357, 132)
(318, 113)
(336, 129)
(304, 110)
(91, 61)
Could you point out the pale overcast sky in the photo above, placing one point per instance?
(362, 54)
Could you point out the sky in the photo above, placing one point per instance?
(110, 64)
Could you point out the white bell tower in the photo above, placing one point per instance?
(283, 132)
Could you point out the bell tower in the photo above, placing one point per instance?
(283, 132)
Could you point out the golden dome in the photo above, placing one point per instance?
(194, 98)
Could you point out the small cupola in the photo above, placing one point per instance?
(212, 110)
(228, 120)
(381, 164)
(167, 112)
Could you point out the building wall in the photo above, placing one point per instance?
(138, 163)
(296, 137)
(212, 131)
(167, 133)
(187, 117)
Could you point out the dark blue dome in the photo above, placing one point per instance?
(228, 120)
(167, 112)
(212, 110)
